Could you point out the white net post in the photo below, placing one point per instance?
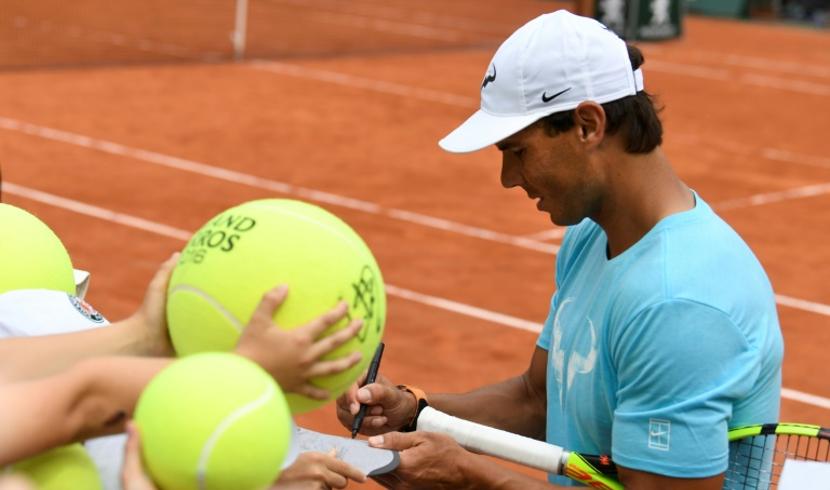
(240, 29)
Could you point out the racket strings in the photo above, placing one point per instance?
(757, 462)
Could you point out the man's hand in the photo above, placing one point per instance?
(389, 408)
(428, 461)
(294, 357)
(314, 471)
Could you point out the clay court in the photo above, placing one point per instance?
(126, 127)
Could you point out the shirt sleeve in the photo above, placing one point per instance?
(680, 367)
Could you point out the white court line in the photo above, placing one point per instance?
(806, 398)
(719, 74)
(551, 234)
(385, 26)
(347, 202)
(788, 84)
(773, 197)
(433, 301)
(813, 190)
(427, 25)
(464, 309)
(790, 157)
(437, 22)
(272, 185)
(96, 212)
(120, 40)
(363, 83)
(385, 12)
(739, 61)
(184, 235)
(803, 305)
(467, 102)
(698, 71)
(471, 103)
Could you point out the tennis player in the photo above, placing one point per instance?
(662, 332)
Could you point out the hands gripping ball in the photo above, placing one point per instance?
(213, 421)
(31, 255)
(247, 250)
(61, 468)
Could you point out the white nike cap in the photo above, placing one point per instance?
(551, 64)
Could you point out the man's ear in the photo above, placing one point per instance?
(589, 118)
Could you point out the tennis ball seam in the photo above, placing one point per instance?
(348, 239)
(213, 302)
(224, 425)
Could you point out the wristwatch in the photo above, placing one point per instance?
(421, 403)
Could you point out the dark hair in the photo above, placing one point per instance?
(635, 115)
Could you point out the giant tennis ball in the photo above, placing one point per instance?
(61, 468)
(31, 255)
(213, 421)
(247, 250)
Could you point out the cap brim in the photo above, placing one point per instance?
(483, 129)
(31, 312)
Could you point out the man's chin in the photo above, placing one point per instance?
(556, 221)
(563, 221)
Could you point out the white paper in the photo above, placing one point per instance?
(356, 452)
(804, 475)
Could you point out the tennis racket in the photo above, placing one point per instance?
(757, 452)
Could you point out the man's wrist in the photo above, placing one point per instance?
(474, 472)
(419, 397)
(478, 472)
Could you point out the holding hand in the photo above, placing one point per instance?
(388, 407)
(133, 476)
(294, 357)
(311, 471)
(150, 320)
(428, 461)
(315, 471)
(15, 482)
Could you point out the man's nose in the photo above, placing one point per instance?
(510, 174)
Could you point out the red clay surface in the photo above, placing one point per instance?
(747, 107)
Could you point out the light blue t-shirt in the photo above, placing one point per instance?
(654, 354)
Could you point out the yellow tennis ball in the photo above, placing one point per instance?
(31, 255)
(61, 468)
(213, 421)
(249, 249)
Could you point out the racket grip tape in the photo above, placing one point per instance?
(494, 442)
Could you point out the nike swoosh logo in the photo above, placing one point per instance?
(546, 98)
(489, 78)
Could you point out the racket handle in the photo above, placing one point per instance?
(493, 442)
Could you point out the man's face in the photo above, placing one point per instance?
(553, 169)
